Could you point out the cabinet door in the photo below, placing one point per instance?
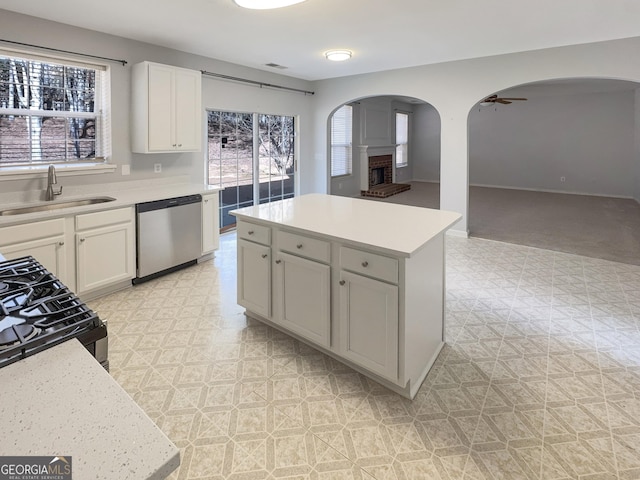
(302, 292)
(187, 108)
(210, 223)
(105, 256)
(254, 277)
(369, 324)
(161, 100)
(50, 252)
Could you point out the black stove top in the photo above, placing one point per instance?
(37, 311)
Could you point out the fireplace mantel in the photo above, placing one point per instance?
(367, 151)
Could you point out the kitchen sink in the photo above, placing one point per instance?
(45, 207)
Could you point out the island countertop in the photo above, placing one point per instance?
(62, 402)
(399, 229)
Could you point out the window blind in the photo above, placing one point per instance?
(341, 138)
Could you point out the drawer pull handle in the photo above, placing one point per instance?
(264, 255)
(278, 261)
(60, 243)
(250, 232)
(82, 239)
(342, 282)
(299, 246)
(206, 200)
(365, 264)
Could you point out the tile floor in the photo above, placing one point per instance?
(540, 378)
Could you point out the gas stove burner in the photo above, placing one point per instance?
(38, 311)
(15, 301)
(11, 336)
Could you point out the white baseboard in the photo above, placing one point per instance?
(544, 190)
(458, 233)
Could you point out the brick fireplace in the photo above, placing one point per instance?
(380, 177)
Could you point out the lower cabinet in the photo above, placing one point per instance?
(302, 294)
(105, 249)
(210, 223)
(45, 241)
(369, 324)
(254, 277)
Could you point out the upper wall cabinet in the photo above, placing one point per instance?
(166, 103)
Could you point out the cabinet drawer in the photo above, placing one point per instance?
(31, 231)
(102, 219)
(304, 246)
(370, 264)
(254, 233)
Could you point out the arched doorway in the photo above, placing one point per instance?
(559, 170)
(377, 124)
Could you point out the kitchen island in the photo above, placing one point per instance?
(62, 402)
(360, 280)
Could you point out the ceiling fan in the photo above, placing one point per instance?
(493, 99)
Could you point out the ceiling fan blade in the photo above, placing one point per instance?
(503, 101)
(510, 98)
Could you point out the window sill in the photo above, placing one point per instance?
(402, 166)
(62, 170)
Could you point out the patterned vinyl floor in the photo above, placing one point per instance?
(540, 378)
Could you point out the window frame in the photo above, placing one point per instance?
(101, 114)
(402, 145)
(348, 146)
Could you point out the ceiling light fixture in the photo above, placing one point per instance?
(338, 55)
(266, 4)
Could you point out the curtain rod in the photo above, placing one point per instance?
(254, 82)
(123, 62)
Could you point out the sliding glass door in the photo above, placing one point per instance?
(251, 156)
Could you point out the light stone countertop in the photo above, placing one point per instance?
(399, 229)
(62, 402)
(126, 194)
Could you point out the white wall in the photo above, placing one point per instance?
(425, 146)
(587, 138)
(216, 94)
(453, 88)
(636, 150)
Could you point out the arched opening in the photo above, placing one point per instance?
(559, 170)
(394, 149)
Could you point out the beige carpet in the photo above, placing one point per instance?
(598, 227)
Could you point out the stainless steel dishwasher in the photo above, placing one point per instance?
(168, 235)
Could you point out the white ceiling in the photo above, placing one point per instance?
(383, 34)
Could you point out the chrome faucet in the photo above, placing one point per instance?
(51, 181)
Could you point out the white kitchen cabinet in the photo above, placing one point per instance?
(44, 241)
(302, 292)
(210, 223)
(254, 277)
(167, 110)
(369, 324)
(105, 249)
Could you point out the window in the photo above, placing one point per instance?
(250, 175)
(51, 110)
(402, 139)
(341, 125)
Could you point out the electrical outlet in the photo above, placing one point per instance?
(157, 168)
(563, 179)
(126, 170)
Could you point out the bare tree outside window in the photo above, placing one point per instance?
(47, 112)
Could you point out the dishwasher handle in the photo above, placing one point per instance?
(167, 203)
